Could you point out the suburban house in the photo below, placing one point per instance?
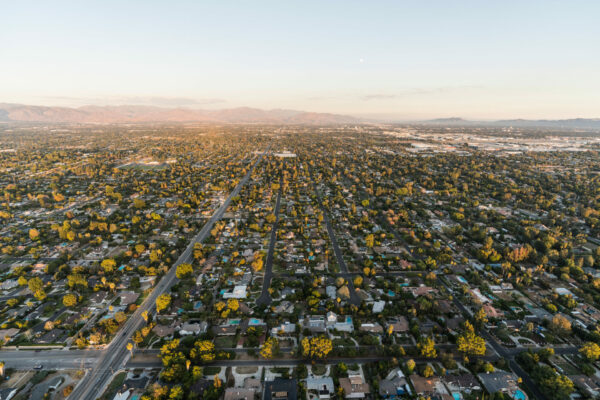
(281, 389)
(354, 387)
(394, 385)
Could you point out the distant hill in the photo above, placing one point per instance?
(575, 123)
(448, 121)
(581, 123)
(140, 114)
(246, 115)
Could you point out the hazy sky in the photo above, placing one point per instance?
(400, 59)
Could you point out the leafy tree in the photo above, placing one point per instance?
(480, 317)
(370, 240)
(176, 393)
(410, 365)
(428, 371)
(590, 350)
(184, 270)
(554, 386)
(69, 300)
(316, 347)
(233, 304)
(108, 265)
(560, 325)
(203, 351)
(120, 317)
(34, 234)
(358, 280)
(139, 203)
(270, 348)
(162, 302)
(469, 343)
(36, 286)
(426, 347)
(257, 264)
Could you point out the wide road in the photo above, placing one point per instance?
(50, 359)
(148, 358)
(116, 354)
(265, 296)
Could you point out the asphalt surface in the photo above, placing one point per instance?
(116, 355)
(74, 359)
(265, 296)
(506, 354)
(354, 299)
(49, 359)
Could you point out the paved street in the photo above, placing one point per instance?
(103, 363)
(265, 296)
(49, 359)
(354, 299)
(116, 355)
(505, 353)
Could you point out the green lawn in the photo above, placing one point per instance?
(211, 371)
(319, 369)
(116, 383)
(343, 342)
(225, 341)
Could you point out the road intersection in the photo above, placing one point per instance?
(115, 356)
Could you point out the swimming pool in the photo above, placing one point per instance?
(456, 396)
(255, 321)
(519, 395)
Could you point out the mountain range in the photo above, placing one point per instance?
(573, 123)
(141, 114)
(144, 114)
